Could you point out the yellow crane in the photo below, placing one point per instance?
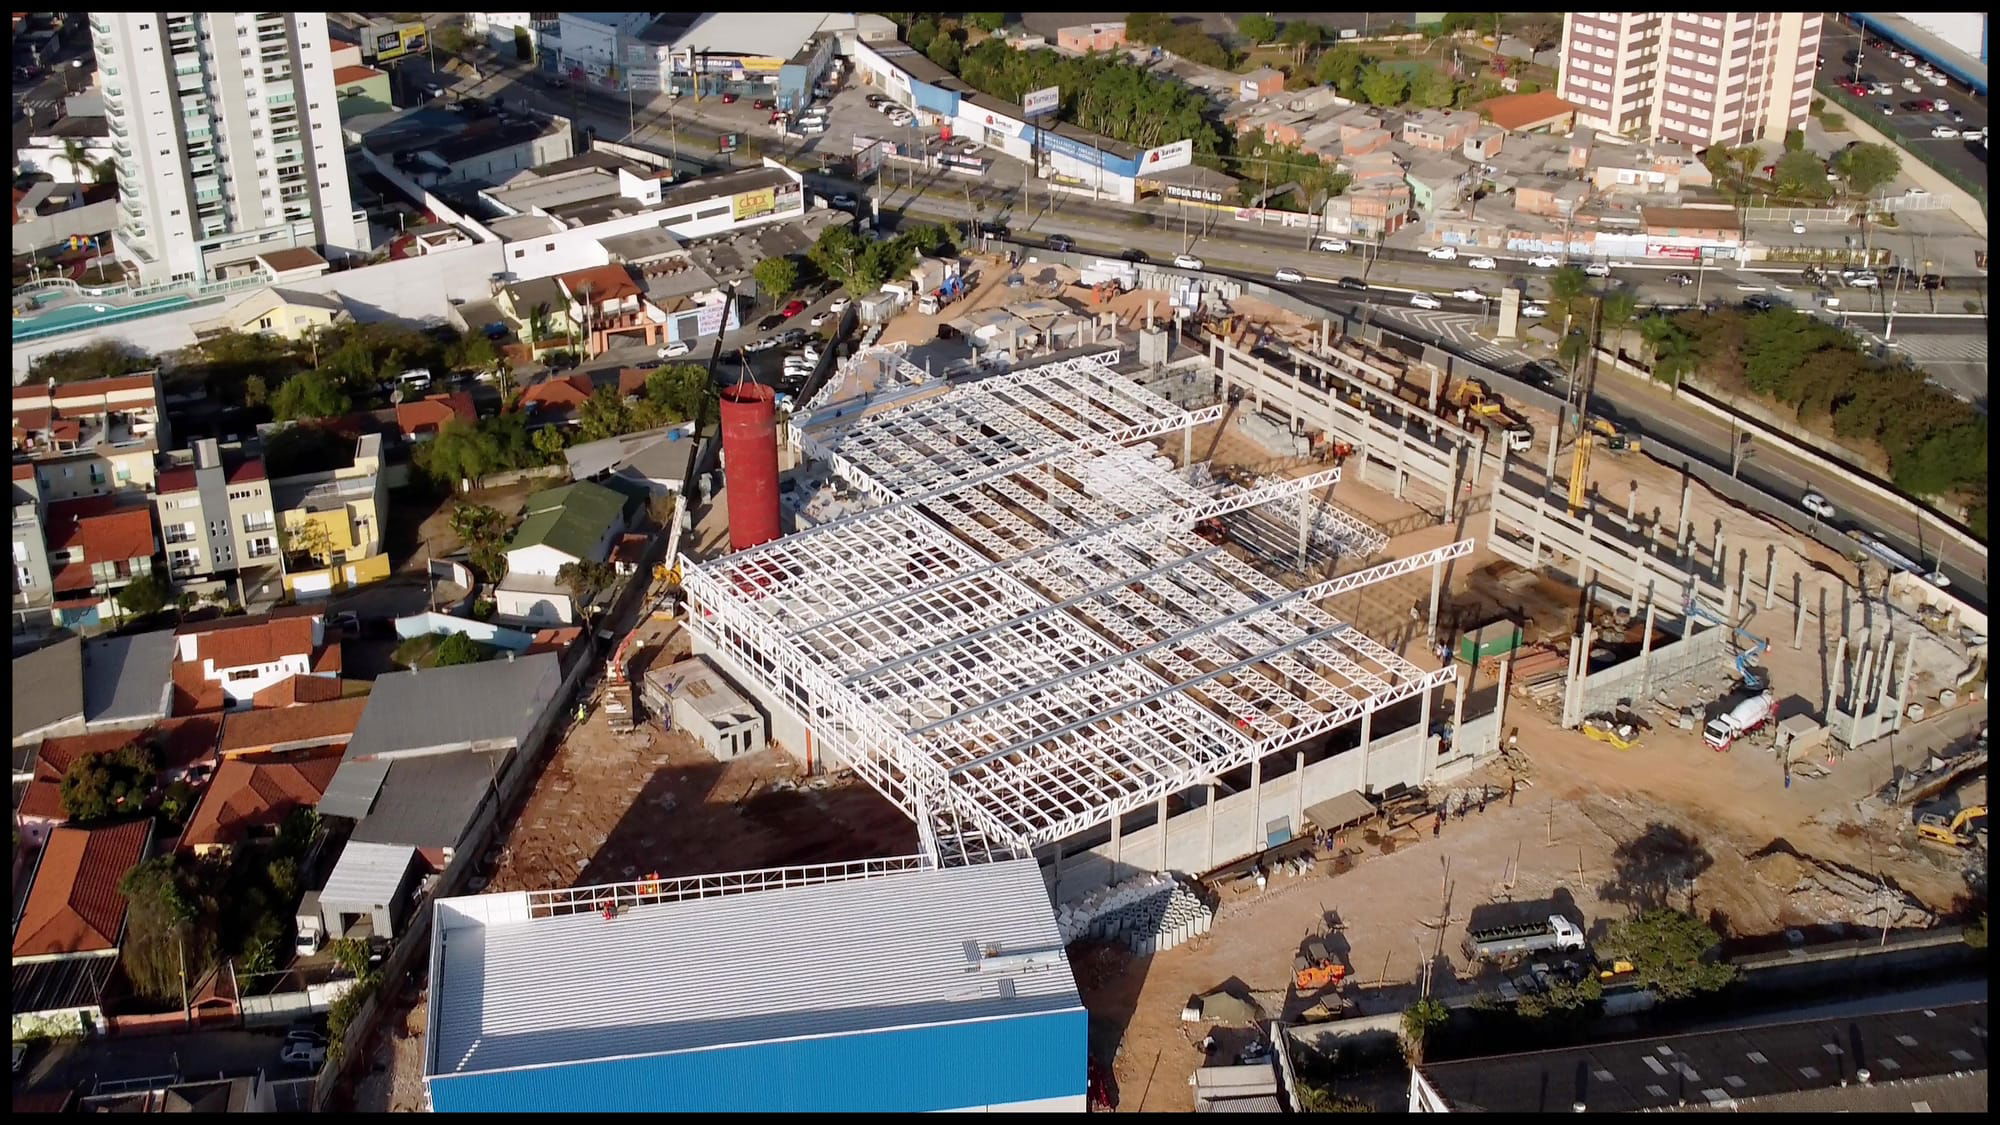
(1579, 472)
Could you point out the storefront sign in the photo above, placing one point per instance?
(402, 39)
(868, 155)
(1678, 253)
(709, 321)
(1180, 154)
(1041, 101)
(753, 204)
(727, 142)
(1194, 194)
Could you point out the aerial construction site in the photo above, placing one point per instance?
(1248, 624)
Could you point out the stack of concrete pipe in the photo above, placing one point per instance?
(1149, 914)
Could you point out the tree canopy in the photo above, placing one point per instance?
(143, 596)
(1800, 174)
(1102, 93)
(1868, 166)
(158, 923)
(1669, 951)
(313, 394)
(1258, 28)
(484, 532)
(108, 784)
(777, 278)
(457, 649)
(101, 360)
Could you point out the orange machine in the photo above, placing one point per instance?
(1316, 969)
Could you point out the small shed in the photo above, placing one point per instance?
(1336, 813)
(1490, 639)
(1799, 736)
(1260, 83)
(1237, 1089)
(693, 695)
(368, 891)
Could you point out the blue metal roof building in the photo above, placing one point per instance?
(884, 987)
(1954, 59)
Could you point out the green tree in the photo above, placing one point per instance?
(1670, 953)
(1384, 87)
(283, 872)
(604, 414)
(91, 361)
(457, 649)
(1258, 29)
(1560, 998)
(1800, 174)
(159, 925)
(296, 832)
(945, 52)
(1566, 290)
(1303, 38)
(777, 278)
(255, 391)
(585, 578)
(1419, 1020)
(921, 33)
(111, 783)
(678, 390)
(307, 538)
(351, 954)
(1795, 140)
(484, 533)
(458, 452)
(178, 801)
(988, 22)
(1433, 89)
(143, 596)
(1620, 309)
(550, 441)
(312, 394)
(1866, 167)
(1341, 68)
(842, 255)
(1944, 460)
(1525, 86)
(473, 353)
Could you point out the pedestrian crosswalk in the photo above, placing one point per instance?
(1459, 331)
(39, 103)
(1930, 349)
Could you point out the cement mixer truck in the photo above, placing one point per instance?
(1748, 715)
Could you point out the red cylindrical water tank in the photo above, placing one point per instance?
(944, 131)
(750, 463)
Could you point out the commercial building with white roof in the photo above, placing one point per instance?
(884, 986)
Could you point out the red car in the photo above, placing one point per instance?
(729, 99)
(761, 103)
(793, 309)
(1857, 89)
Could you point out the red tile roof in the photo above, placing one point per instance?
(105, 532)
(298, 257)
(1518, 111)
(267, 642)
(607, 283)
(294, 690)
(91, 387)
(258, 791)
(567, 390)
(330, 723)
(180, 478)
(24, 471)
(194, 695)
(348, 74)
(248, 469)
(74, 905)
(432, 411)
(631, 381)
(183, 743)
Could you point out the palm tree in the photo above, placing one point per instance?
(74, 155)
(538, 323)
(105, 171)
(583, 294)
(1655, 330)
(1620, 309)
(1565, 288)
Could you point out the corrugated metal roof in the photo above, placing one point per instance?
(367, 874)
(893, 951)
(484, 703)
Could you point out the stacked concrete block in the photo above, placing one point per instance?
(1149, 914)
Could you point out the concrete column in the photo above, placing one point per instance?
(1424, 738)
(1721, 560)
(1583, 667)
(1632, 506)
(1542, 500)
(1055, 863)
(1681, 528)
(1367, 741)
(1799, 614)
(1434, 390)
(1885, 675)
(1903, 681)
(1402, 458)
(1493, 498)
(1500, 698)
(1859, 696)
(1458, 704)
(1437, 586)
(1117, 842)
(1256, 804)
(1646, 647)
(1163, 835)
(1638, 575)
(1570, 678)
(1833, 683)
(1771, 578)
(1586, 555)
(1210, 864)
(1305, 527)
(1299, 795)
(1187, 446)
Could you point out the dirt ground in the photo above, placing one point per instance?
(434, 534)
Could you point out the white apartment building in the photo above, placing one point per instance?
(227, 138)
(1701, 78)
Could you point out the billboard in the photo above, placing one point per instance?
(1196, 194)
(399, 40)
(708, 321)
(727, 142)
(1042, 101)
(868, 158)
(1166, 158)
(753, 204)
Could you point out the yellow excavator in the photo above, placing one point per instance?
(1937, 830)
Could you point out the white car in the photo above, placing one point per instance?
(1289, 275)
(763, 345)
(820, 318)
(1187, 262)
(1533, 312)
(303, 1054)
(1944, 133)
(837, 305)
(1941, 106)
(1425, 301)
(1545, 261)
(1864, 281)
(1937, 578)
(1597, 269)
(1331, 245)
(1798, 227)
(1816, 504)
(1443, 253)
(842, 201)
(1882, 90)
(676, 349)
(1937, 79)
(1909, 61)
(1468, 294)
(1483, 263)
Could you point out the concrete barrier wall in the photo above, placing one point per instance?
(39, 231)
(1636, 679)
(499, 636)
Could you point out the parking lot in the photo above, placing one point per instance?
(1967, 113)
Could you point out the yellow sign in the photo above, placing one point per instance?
(752, 204)
(398, 40)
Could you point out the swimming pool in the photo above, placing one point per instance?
(85, 313)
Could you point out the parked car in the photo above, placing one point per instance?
(305, 1035)
(1187, 262)
(1483, 263)
(763, 345)
(1443, 253)
(843, 201)
(729, 99)
(1757, 303)
(993, 230)
(1816, 504)
(1352, 283)
(1545, 261)
(1864, 281)
(1425, 301)
(1597, 269)
(1534, 312)
(1680, 278)
(1289, 275)
(1468, 294)
(1887, 109)
(1933, 281)
(1331, 245)
(1944, 133)
(837, 305)
(676, 349)
(1798, 227)
(303, 1054)
(770, 322)
(876, 101)
(792, 309)
(777, 117)
(1062, 243)
(1136, 255)
(822, 317)
(760, 103)
(1940, 106)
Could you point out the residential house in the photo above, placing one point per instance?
(1541, 112)
(1682, 233)
(572, 524)
(1260, 83)
(607, 299)
(1662, 167)
(695, 305)
(1285, 117)
(522, 302)
(97, 546)
(557, 399)
(361, 90)
(417, 774)
(289, 266)
(251, 795)
(422, 419)
(91, 437)
(217, 519)
(1439, 130)
(1084, 38)
(1551, 198)
(434, 237)
(74, 686)
(1438, 184)
(70, 927)
(300, 726)
(1375, 211)
(1484, 144)
(229, 660)
(48, 691)
(655, 460)
(34, 596)
(184, 748)
(291, 314)
(347, 508)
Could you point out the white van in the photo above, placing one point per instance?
(415, 379)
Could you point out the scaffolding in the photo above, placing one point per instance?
(1027, 638)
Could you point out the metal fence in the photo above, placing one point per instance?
(620, 896)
